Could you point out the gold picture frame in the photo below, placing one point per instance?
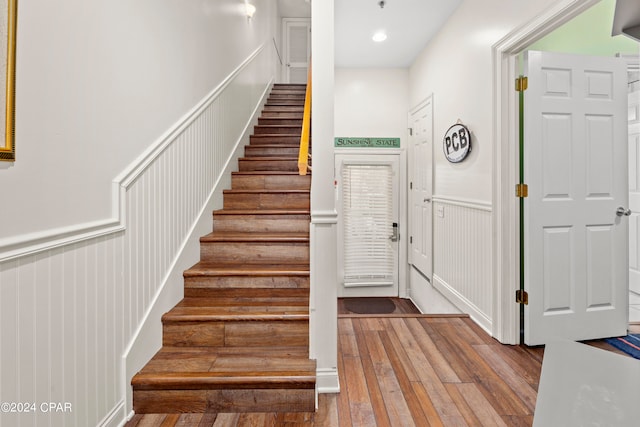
(8, 66)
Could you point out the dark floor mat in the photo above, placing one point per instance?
(369, 305)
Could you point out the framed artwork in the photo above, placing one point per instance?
(8, 20)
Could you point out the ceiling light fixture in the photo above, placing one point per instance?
(249, 10)
(379, 36)
(381, 3)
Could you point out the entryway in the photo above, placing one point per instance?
(367, 196)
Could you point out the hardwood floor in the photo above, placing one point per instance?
(404, 370)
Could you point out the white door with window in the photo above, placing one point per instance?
(367, 195)
(576, 214)
(421, 187)
(297, 49)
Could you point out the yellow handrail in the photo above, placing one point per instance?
(303, 155)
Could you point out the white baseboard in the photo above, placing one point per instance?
(115, 418)
(327, 381)
(463, 304)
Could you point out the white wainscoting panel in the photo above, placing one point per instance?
(462, 256)
(68, 313)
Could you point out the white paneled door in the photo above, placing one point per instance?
(420, 191)
(368, 224)
(576, 214)
(297, 49)
(634, 188)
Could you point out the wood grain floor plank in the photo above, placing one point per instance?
(497, 392)
(207, 420)
(454, 358)
(407, 366)
(344, 408)
(381, 419)
(151, 420)
(429, 410)
(443, 403)
(462, 405)
(171, 420)
(226, 420)
(440, 365)
(360, 405)
(394, 399)
(409, 395)
(327, 415)
(189, 420)
(528, 367)
(480, 406)
(509, 375)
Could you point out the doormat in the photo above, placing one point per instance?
(629, 344)
(369, 305)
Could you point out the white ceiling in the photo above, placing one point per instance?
(409, 24)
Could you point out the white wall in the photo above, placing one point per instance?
(457, 67)
(97, 83)
(371, 102)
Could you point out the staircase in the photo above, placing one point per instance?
(239, 340)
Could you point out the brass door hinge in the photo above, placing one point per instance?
(522, 190)
(522, 297)
(522, 83)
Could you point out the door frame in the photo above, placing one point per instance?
(403, 266)
(506, 212)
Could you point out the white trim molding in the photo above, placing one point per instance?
(33, 243)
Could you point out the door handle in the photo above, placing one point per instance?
(427, 200)
(395, 236)
(623, 212)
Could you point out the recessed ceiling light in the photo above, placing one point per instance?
(379, 36)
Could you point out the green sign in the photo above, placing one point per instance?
(367, 142)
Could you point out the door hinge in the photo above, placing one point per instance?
(411, 186)
(522, 190)
(410, 131)
(411, 239)
(522, 83)
(522, 297)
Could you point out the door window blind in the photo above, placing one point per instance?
(367, 217)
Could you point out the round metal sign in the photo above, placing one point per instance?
(457, 143)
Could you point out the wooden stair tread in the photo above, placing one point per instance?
(213, 269)
(175, 368)
(235, 314)
(264, 173)
(264, 190)
(262, 212)
(257, 237)
(269, 158)
(246, 301)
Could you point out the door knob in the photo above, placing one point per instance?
(623, 212)
(395, 236)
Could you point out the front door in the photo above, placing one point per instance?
(367, 193)
(420, 187)
(576, 223)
